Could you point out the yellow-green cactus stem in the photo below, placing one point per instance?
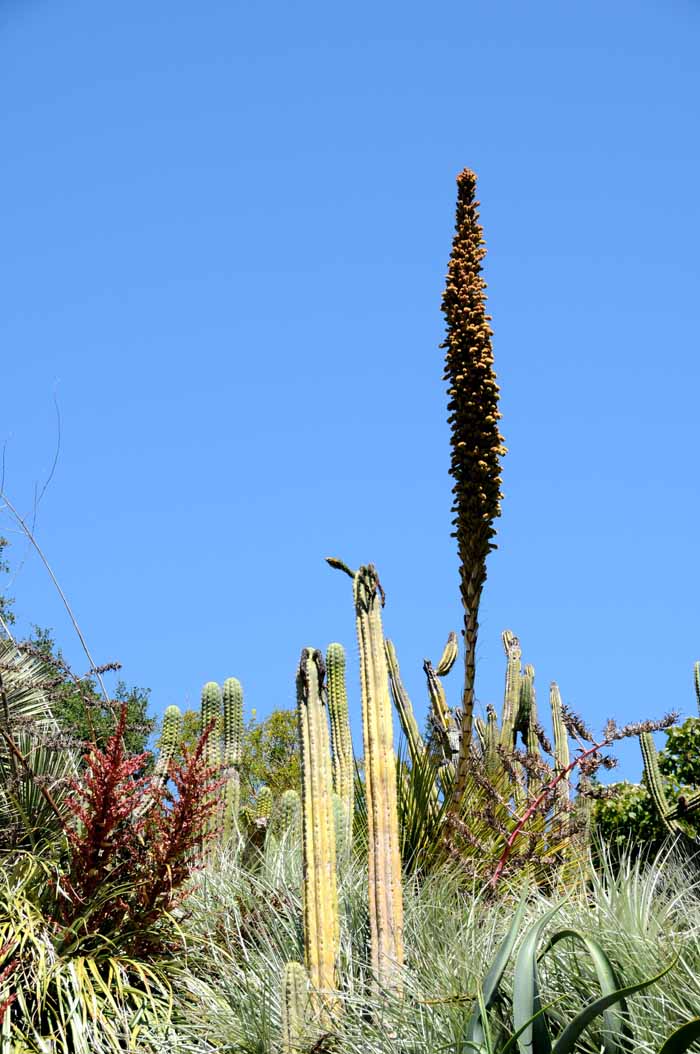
(404, 708)
(341, 736)
(343, 832)
(320, 892)
(385, 890)
(696, 678)
(528, 710)
(233, 742)
(491, 758)
(442, 718)
(477, 445)
(448, 657)
(295, 996)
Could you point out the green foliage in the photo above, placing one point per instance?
(680, 758)
(626, 819)
(82, 711)
(6, 612)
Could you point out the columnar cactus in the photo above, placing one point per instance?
(233, 742)
(211, 716)
(477, 445)
(341, 736)
(169, 741)
(654, 783)
(696, 678)
(295, 997)
(561, 756)
(320, 894)
(441, 717)
(511, 699)
(263, 805)
(403, 705)
(528, 711)
(287, 814)
(385, 891)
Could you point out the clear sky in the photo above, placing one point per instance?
(225, 228)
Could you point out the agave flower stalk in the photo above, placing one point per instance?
(477, 445)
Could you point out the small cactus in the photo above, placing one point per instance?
(287, 814)
(263, 805)
(295, 996)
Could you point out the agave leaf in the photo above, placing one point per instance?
(680, 1040)
(617, 1038)
(489, 988)
(528, 1019)
(566, 1042)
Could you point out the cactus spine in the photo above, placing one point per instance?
(294, 1007)
(233, 741)
(341, 737)
(385, 892)
(320, 895)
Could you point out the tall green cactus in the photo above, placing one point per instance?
(233, 744)
(696, 678)
(320, 893)
(385, 890)
(655, 784)
(287, 815)
(295, 997)
(511, 699)
(211, 717)
(341, 736)
(561, 760)
(169, 741)
(403, 705)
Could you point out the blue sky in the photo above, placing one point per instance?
(225, 232)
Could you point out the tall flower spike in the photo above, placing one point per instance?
(477, 445)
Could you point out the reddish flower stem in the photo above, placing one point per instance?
(534, 806)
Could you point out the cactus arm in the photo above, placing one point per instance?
(511, 698)
(341, 736)
(385, 891)
(654, 782)
(448, 657)
(403, 705)
(169, 741)
(529, 708)
(287, 812)
(441, 716)
(320, 895)
(696, 678)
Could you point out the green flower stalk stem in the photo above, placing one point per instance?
(477, 445)
(295, 997)
(233, 742)
(385, 891)
(341, 737)
(320, 894)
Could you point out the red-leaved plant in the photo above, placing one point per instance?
(133, 842)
